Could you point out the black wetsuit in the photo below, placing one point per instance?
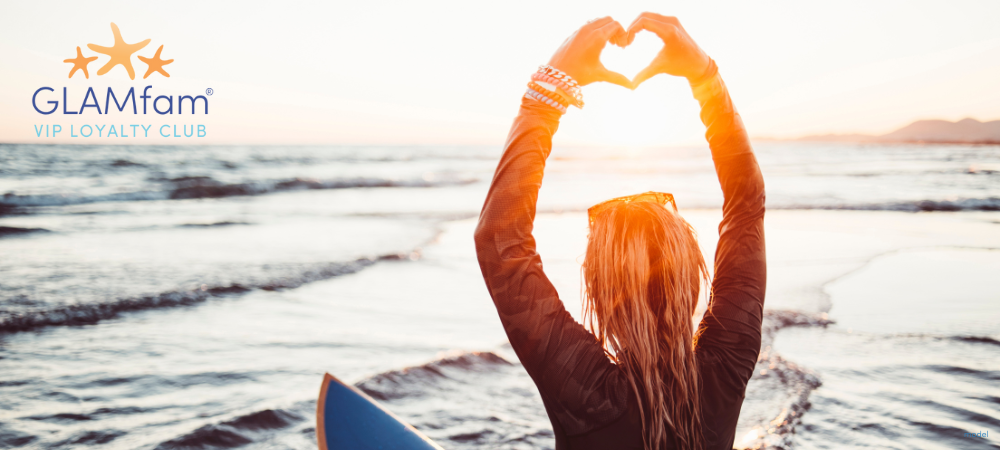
(586, 396)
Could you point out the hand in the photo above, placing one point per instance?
(680, 55)
(580, 55)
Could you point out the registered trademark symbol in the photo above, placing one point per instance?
(209, 91)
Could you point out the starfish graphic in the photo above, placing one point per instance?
(156, 64)
(80, 63)
(121, 53)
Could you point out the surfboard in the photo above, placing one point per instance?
(347, 418)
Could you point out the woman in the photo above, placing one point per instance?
(643, 378)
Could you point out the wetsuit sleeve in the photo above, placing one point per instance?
(728, 338)
(565, 361)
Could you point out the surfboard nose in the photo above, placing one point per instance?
(347, 418)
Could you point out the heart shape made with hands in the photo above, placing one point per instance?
(629, 61)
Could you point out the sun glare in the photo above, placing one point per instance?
(661, 111)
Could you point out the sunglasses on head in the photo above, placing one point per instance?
(661, 198)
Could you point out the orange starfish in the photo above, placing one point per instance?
(156, 64)
(79, 63)
(121, 53)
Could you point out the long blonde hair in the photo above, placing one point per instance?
(642, 274)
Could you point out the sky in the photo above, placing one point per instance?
(453, 72)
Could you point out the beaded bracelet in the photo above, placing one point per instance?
(564, 91)
(543, 99)
(550, 93)
(576, 98)
(548, 101)
(557, 108)
(551, 79)
(558, 74)
(565, 81)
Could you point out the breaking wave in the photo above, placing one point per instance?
(977, 340)
(417, 381)
(963, 204)
(16, 231)
(206, 187)
(467, 400)
(225, 223)
(236, 432)
(89, 313)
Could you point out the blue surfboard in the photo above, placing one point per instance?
(346, 418)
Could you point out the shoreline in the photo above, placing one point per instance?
(266, 350)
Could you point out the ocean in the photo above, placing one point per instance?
(188, 297)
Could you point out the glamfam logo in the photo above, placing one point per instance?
(46, 100)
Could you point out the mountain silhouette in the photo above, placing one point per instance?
(969, 131)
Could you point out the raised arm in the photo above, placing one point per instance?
(728, 338)
(562, 357)
(732, 324)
